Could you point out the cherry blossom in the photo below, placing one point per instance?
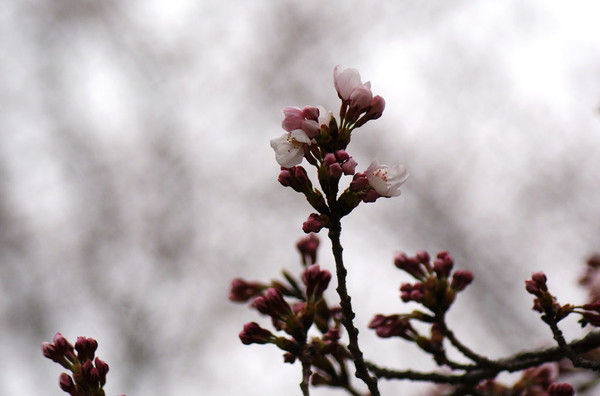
(289, 148)
(386, 180)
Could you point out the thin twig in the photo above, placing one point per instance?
(306, 360)
(577, 361)
(348, 315)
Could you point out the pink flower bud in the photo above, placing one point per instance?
(360, 98)
(341, 156)
(461, 279)
(242, 291)
(307, 247)
(377, 106)
(66, 383)
(349, 166)
(102, 370)
(254, 334)
(392, 326)
(316, 281)
(562, 389)
(311, 113)
(329, 159)
(359, 182)
(293, 118)
(410, 265)
(346, 81)
(335, 170)
(370, 196)
(311, 128)
(273, 304)
(314, 223)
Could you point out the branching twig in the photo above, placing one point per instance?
(517, 362)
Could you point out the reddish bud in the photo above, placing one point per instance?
(562, 389)
(461, 279)
(359, 182)
(65, 382)
(242, 291)
(316, 281)
(410, 265)
(314, 223)
(307, 247)
(392, 326)
(254, 334)
(102, 370)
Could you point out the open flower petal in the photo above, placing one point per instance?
(386, 180)
(289, 148)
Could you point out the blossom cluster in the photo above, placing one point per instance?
(88, 374)
(314, 134)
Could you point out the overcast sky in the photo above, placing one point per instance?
(136, 177)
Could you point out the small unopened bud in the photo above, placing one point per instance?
(561, 389)
(370, 196)
(273, 304)
(410, 265)
(443, 264)
(242, 291)
(86, 347)
(359, 182)
(102, 370)
(66, 383)
(314, 223)
(461, 279)
(316, 281)
(254, 334)
(307, 247)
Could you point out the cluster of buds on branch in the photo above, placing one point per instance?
(88, 374)
(315, 135)
(295, 307)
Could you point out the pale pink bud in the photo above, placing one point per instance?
(293, 118)
(349, 166)
(361, 97)
(377, 107)
(335, 170)
(311, 128)
(329, 159)
(346, 81)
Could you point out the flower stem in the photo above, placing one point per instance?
(335, 230)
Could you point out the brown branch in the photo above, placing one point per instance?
(348, 315)
(475, 374)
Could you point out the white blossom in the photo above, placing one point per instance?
(289, 148)
(386, 180)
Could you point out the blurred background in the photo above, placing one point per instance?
(136, 177)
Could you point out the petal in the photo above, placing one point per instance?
(288, 148)
(346, 81)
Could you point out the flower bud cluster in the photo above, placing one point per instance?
(88, 372)
(544, 302)
(435, 289)
(314, 134)
(437, 286)
(295, 307)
